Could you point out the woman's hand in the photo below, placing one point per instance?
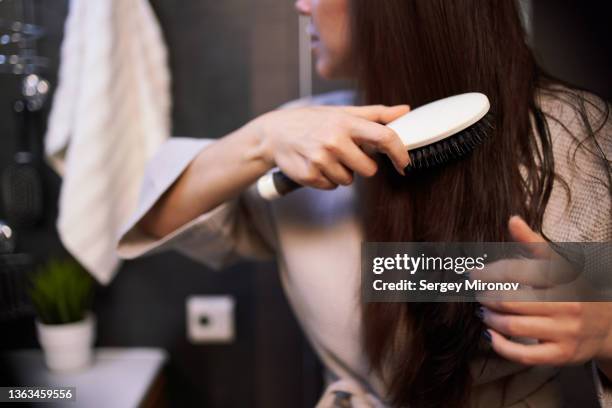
(315, 146)
(322, 146)
(567, 332)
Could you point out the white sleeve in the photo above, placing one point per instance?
(240, 228)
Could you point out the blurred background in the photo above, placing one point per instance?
(230, 60)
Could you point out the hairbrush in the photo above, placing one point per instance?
(433, 134)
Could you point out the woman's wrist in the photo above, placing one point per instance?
(228, 166)
(256, 138)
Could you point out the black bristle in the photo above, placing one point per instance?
(454, 147)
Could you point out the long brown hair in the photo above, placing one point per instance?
(416, 51)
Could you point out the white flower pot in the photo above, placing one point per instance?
(67, 347)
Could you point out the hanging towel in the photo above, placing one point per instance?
(110, 112)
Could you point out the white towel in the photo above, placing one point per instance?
(110, 113)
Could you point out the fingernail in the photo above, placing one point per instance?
(480, 313)
(487, 336)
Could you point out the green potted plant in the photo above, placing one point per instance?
(61, 292)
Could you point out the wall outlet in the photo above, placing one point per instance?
(210, 319)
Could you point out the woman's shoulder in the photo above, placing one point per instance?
(341, 97)
(576, 113)
(580, 129)
(580, 126)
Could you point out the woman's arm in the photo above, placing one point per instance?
(316, 146)
(219, 172)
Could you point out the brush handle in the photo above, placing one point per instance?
(276, 184)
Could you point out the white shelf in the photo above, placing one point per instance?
(118, 377)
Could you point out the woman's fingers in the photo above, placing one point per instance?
(356, 159)
(328, 142)
(304, 172)
(530, 308)
(538, 327)
(531, 272)
(528, 354)
(377, 113)
(383, 139)
(343, 149)
(328, 164)
(521, 232)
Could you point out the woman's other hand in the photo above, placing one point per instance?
(322, 146)
(567, 332)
